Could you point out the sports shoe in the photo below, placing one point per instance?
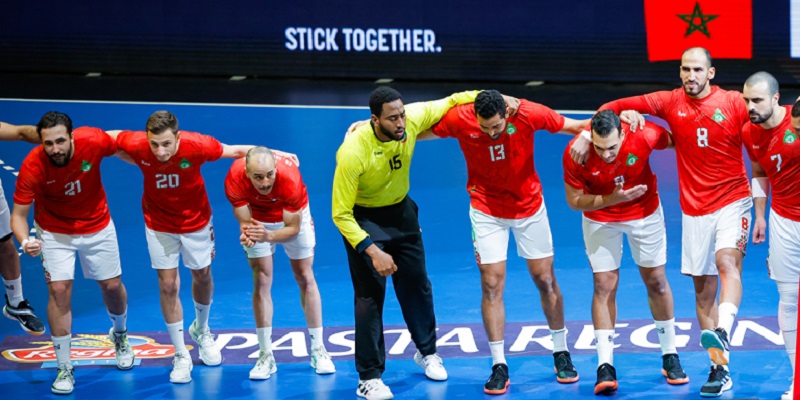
(181, 368)
(789, 393)
(65, 380)
(719, 380)
(122, 349)
(373, 389)
(716, 342)
(23, 313)
(498, 382)
(321, 361)
(209, 353)
(672, 370)
(565, 371)
(265, 367)
(432, 364)
(606, 379)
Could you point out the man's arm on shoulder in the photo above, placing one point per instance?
(25, 133)
(120, 154)
(421, 116)
(235, 151)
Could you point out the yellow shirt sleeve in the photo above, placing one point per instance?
(421, 116)
(349, 169)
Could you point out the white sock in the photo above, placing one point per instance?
(119, 321)
(202, 311)
(498, 352)
(666, 336)
(605, 346)
(559, 340)
(175, 330)
(265, 339)
(62, 347)
(787, 318)
(727, 313)
(14, 291)
(316, 337)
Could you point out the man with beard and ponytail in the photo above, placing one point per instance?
(706, 124)
(771, 142)
(62, 180)
(380, 226)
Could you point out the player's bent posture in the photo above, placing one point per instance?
(270, 202)
(617, 192)
(62, 180)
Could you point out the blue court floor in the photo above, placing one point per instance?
(760, 368)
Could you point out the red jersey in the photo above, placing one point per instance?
(69, 199)
(502, 181)
(288, 191)
(777, 150)
(708, 141)
(631, 168)
(175, 199)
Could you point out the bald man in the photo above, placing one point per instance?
(271, 204)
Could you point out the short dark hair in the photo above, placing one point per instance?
(763, 76)
(489, 103)
(380, 96)
(604, 122)
(796, 109)
(160, 121)
(54, 118)
(703, 50)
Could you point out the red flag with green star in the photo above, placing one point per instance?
(724, 27)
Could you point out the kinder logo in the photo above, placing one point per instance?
(90, 347)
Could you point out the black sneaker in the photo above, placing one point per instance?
(719, 380)
(23, 313)
(606, 379)
(671, 368)
(716, 342)
(565, 371)
(497, 383)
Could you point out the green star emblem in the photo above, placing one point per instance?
(86, 166)
(511, 129)
(185, 164)
(718, 116)
(789, 137)
(631, 159)
(697, 21)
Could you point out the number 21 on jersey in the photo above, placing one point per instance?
(497, 152)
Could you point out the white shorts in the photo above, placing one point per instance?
(98, 252)
(783, 260)
(301, 247)
(197, 248)
(647, 238)
(5, 215)
(703, 236)
(490, 236)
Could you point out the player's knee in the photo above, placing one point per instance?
(202, 275)
(657, 286)
(59, 293)
(168, 287)
(111, 286)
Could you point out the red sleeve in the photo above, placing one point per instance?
(295, 202)
(106, 142)
(540, 116)
(232, 192)
(124, 141)
(656, 136)
(747, 140)
(572, 175)
(27, 183)
(740, 108)
(212, 148)
(447, 126)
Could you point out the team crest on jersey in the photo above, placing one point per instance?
(185, 164)
(789, 137)
(86, 166)
(631, 159)
(511, 129)
(718, 116)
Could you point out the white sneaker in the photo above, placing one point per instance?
(209, 353)
(432, 364)
(122, 349)
(265, 367)
(321, 361)
(373, 389)
(789, 393)
(65, 380)
(181, 368)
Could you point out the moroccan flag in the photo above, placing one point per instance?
(724, 27)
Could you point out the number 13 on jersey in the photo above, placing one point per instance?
(497, 152)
